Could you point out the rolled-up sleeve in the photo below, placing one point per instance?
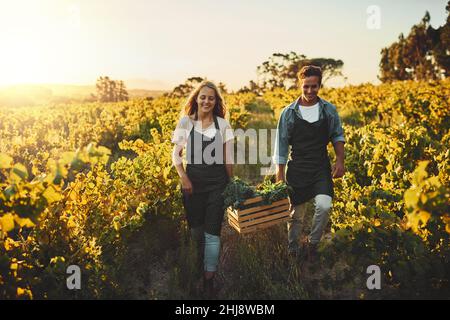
(280, 155)
(181, 132)
(337, 132)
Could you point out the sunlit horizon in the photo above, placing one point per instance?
(158, 45)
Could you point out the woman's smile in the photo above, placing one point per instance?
(206, 99)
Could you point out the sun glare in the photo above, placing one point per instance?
(20, 62)
(32, 38)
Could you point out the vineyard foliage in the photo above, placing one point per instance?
(76, 181)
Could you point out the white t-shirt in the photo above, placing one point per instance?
(310, 114)
(181, 133)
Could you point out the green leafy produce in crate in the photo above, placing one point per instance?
(238, 191)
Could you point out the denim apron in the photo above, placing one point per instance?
(309, 170)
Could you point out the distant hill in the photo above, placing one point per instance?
(37, 94)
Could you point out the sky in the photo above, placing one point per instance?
(159, 44)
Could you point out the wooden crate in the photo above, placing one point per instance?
(259, 216)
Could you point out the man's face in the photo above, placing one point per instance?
(310, 88)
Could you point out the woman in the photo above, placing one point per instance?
(207, 137)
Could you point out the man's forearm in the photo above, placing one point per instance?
(229, 169)
(339, 150)
(228, 157)
(280, 176)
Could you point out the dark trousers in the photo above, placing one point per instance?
(205, 209)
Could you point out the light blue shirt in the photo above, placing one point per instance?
(286, 124)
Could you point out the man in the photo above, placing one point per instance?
(308, 125)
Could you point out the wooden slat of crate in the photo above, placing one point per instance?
(263, 225)
(234, 224)
(259, 226)
(262, 213)
(260, 208)
(258, 217)
(253, 200)
(233, 213)
(241, 215)
(270, 217)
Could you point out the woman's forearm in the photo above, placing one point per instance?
(178, 161)
(180, 170)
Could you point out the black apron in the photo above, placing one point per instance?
(309, 171)
(204, 207)
(206, 175)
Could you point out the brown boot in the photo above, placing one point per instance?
(311, 252)
(209, 288)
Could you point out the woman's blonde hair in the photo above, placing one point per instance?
(191, 106)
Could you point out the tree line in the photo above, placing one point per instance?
(423, 54)
(108, 90)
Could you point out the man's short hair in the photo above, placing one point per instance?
(310, 71)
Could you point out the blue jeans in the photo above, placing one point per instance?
(322, 206)
(210, 245)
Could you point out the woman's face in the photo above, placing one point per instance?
(206, 100)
